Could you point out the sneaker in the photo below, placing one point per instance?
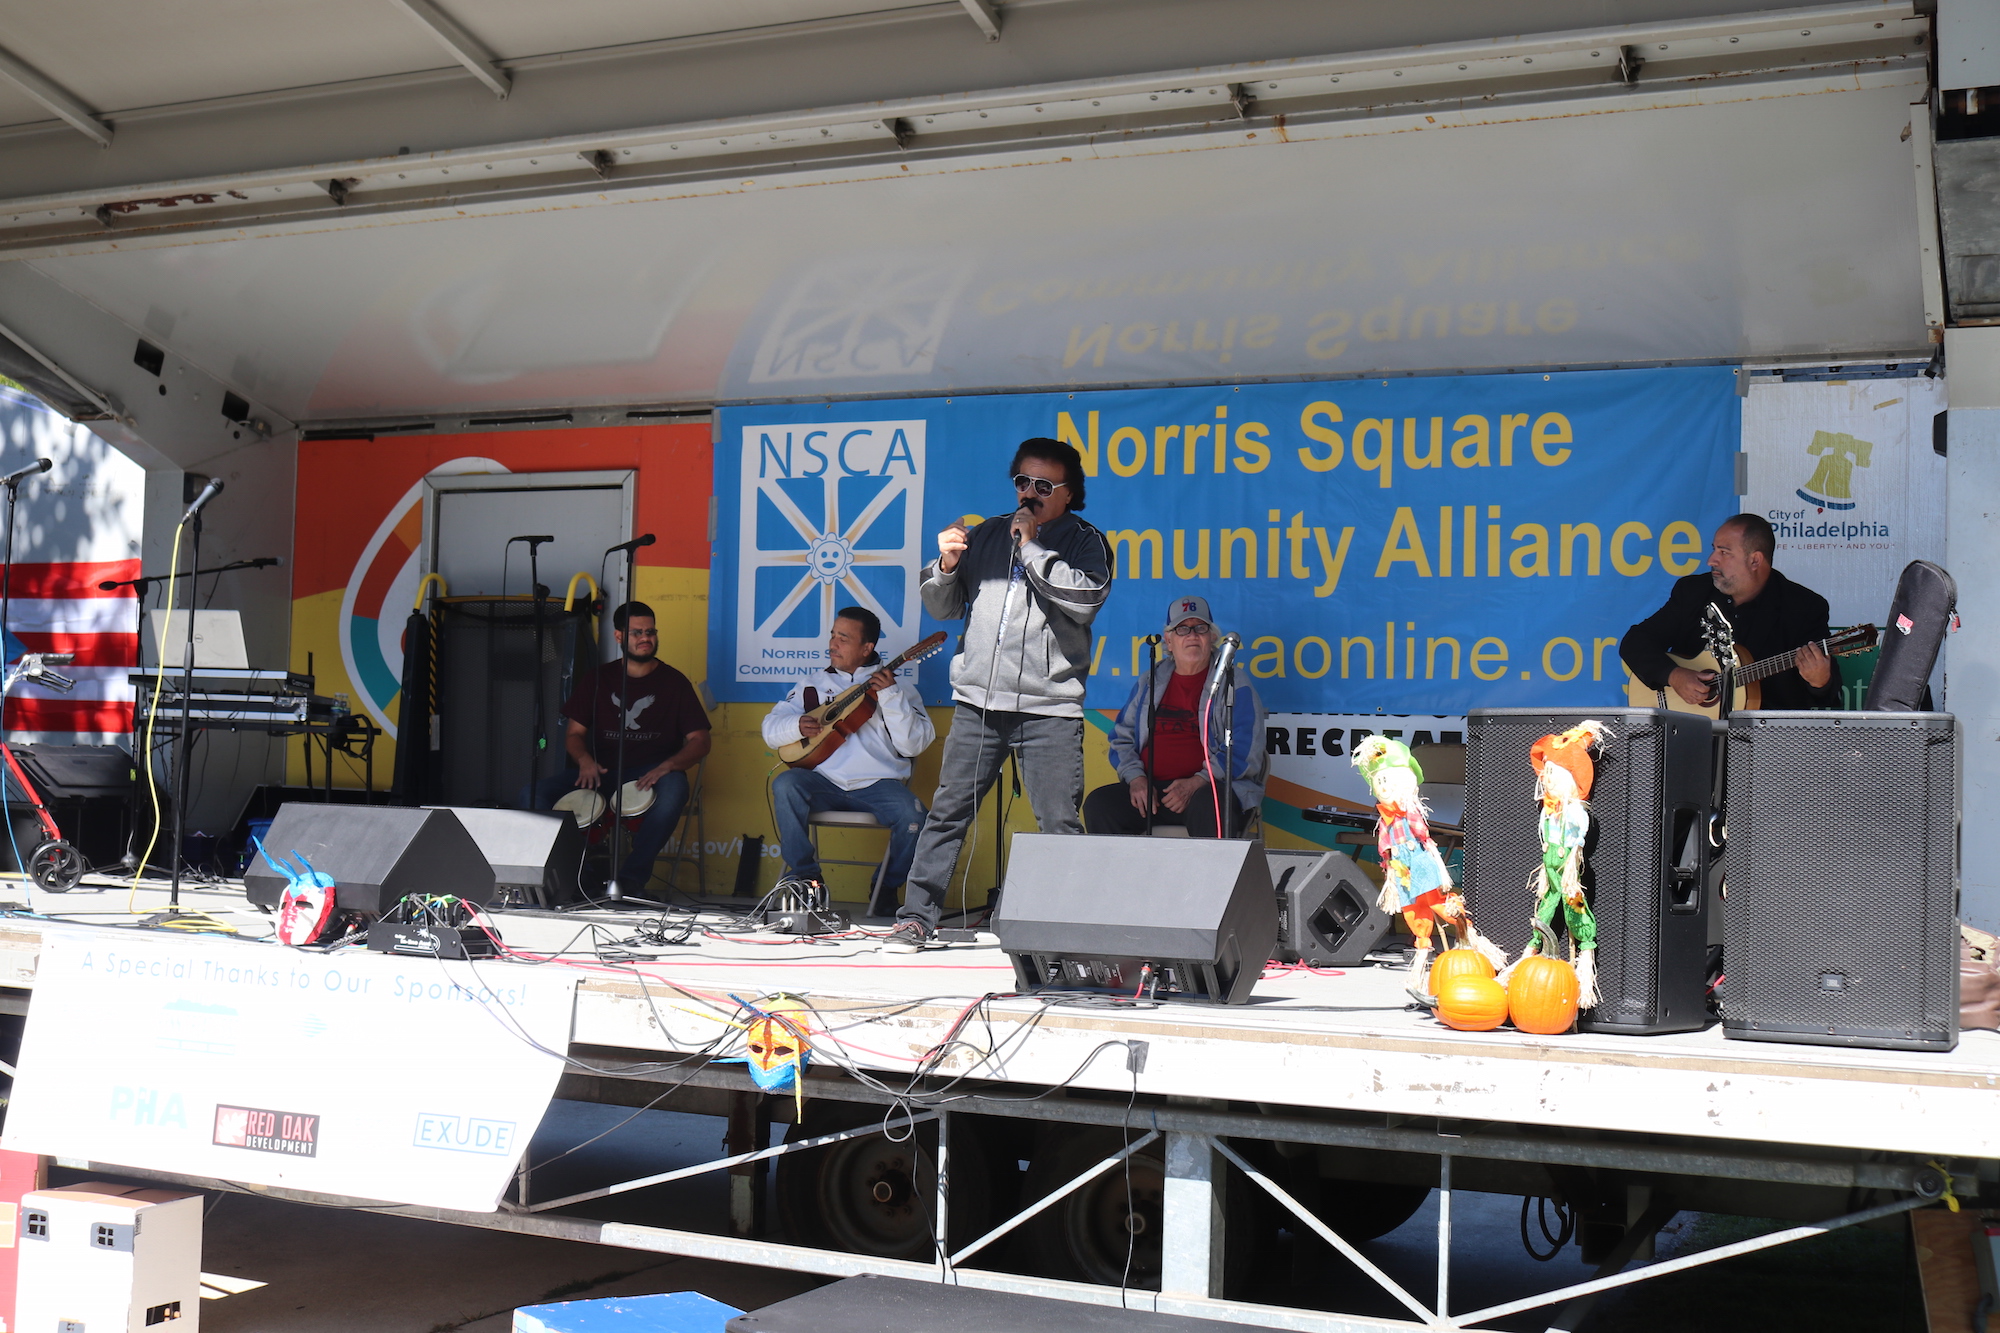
(908, 937)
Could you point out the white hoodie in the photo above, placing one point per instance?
(883, 748)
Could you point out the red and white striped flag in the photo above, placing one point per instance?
(58, 607)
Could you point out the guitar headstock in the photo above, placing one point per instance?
(919, 651)
(1850, 641)
(1718, 634)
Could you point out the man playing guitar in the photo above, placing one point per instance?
(870, 769)
(1770, 614)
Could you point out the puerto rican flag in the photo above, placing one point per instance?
(58, 607)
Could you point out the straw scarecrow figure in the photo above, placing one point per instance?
(1564, 772)
(1415, 879)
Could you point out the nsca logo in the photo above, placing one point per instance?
(831, 515)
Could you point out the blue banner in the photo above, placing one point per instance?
(1413, 545)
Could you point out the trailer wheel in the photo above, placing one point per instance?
(873, 1194)
(57, 866)
(1087, 1236)
(1083, 1238)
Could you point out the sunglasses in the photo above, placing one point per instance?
(1039, 485)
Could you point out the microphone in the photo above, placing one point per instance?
(208, 492)
(1019, 510)
(632, 545)
(21, 474)
(1224, 655)
(532, 541)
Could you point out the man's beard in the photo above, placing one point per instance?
(636, 654)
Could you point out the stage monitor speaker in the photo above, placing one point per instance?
(376, 854)
(1327, 915)
(1843, 880)
(1645, 857)
(1093, 913)
(537, 858)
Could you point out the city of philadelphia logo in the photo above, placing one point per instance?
(830, 515)
(1831, 485)
(291, 1133)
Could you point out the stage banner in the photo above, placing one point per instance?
(407, 1080)
(1404, 546)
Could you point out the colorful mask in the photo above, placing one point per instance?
(779, 1046)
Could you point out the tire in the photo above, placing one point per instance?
(57, 866)
(1083, 1238)
(875, 1195)
(1087, 1236)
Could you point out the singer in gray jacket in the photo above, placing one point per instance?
(1174, 740)
(1027, 586)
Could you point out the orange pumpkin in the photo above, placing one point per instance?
(1458, 963)
(1472, 1003)
(1542, 994)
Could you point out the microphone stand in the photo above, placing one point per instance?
(612, 889)
(1152, 724)
(1226, 825)
(173, 916)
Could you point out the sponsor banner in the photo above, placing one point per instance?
(1846, 474)
(1409, 545)
(406, 1080)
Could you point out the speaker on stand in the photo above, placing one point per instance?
(1843, 879)
(1645, 859)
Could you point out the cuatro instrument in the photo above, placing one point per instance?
(845, 713)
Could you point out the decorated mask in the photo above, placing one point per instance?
(779, 1046)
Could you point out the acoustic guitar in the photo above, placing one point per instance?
(1743, 678)
(846, 713)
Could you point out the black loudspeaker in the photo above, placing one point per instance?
(1843, 880)
(1093, 913)
(1327, 915)
(536, 857)
(1645, 858)
(91, 791)
(375, 853)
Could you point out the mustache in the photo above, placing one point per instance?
(1031, 503)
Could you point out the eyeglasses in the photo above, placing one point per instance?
(1190, 630)
(1041, 486)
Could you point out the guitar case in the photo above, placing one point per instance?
(1919, 618)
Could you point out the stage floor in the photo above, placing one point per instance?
(1342, 1039)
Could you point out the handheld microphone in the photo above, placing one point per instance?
(532, 541)
(1223, 656)
(632, 545)
(208, 492)
(1019, 510)
(21, 474)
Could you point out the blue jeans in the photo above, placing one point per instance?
(670, 797)
(797, 792)
(1051, 758)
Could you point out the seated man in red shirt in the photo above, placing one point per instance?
(1160, 759)
(665, 734)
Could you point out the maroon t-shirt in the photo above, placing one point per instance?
(658, 710)
(1176, 738)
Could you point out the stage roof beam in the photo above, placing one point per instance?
(986, 14)
(54, 96)
(466, 49)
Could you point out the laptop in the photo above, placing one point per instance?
(218, 640)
